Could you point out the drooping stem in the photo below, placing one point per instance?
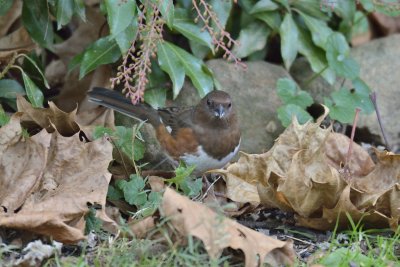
(373, 97)
(353, 131)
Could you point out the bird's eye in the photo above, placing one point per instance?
(229, 105)
(208, 102)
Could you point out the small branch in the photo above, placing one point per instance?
(8, 66)
(373, 97)
(346, 168)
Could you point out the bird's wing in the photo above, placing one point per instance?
(176, 118)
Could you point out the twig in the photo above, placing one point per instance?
(373, 97)
(8, 66)
(346, 167)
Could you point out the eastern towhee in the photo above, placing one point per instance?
(206, 135)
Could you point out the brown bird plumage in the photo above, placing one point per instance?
(206, 135)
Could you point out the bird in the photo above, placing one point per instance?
(206, 135)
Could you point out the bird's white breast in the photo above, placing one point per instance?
(204, 162)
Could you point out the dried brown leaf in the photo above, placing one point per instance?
(10, 17)
(218, 232)
(51, 118)
(302, 173)
(18, 41)
(47, 181)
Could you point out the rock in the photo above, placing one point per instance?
(379, 62)
(254, 95)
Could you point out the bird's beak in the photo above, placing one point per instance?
(219, 111)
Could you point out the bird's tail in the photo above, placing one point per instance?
(118, 102)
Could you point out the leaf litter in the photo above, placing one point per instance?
(302, 173)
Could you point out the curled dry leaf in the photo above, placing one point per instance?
(218, 232)
(18, 41)
(51, 118)
(302, 173)
(48, 180)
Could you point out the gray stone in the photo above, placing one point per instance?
(254, 95)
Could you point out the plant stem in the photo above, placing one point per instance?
(353, 131)
(373, 97)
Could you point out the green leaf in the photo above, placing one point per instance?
(344, 102)
(10, 88)
(34, 94)
(251, 39)
(342, 256)
(264, 5)
(36, 19)
(319, 30)
(198, 50)
(103, 51)
(172, 59)
(310, 8)
(5, 5)
(287, 112)
(34, 64)
(114, 193)
(65, 10)
(338, 55)
(360, 24)
(167, 11)
(315, 56)
(120, 15)
(368, 5)
(133, 190)
(125, 38)
(4, 118)
(191, 187)
(193, 32)
(100, 131)
(130, 145)
(75, 61)
(271, 18)
(79, 8)
(222, 9)
(92, 222)
(289, 93)
(345, 9)
(284, 3)
(156, 92)
(173, 66)
(289, 40)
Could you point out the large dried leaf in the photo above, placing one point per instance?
(47, 181)
(51, 118)
(218, 232)
(17, 42)
(303, 173)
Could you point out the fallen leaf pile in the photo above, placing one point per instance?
(302, 173)
(48, 180)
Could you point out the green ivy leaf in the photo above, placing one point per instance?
(271, 18)
(338, 55)
(103, 51)
(319, 30)
(5, 5)
(315, 56)
(36, 18)
(34, 94)
(10, 88)
(343, 103)
(65, 10)
(114, 193)
(263, 5)
(133, 190)
(289, 93)
(252, 38)
(173, 59)
(287, 112)
(125, 141)
(289, 40)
